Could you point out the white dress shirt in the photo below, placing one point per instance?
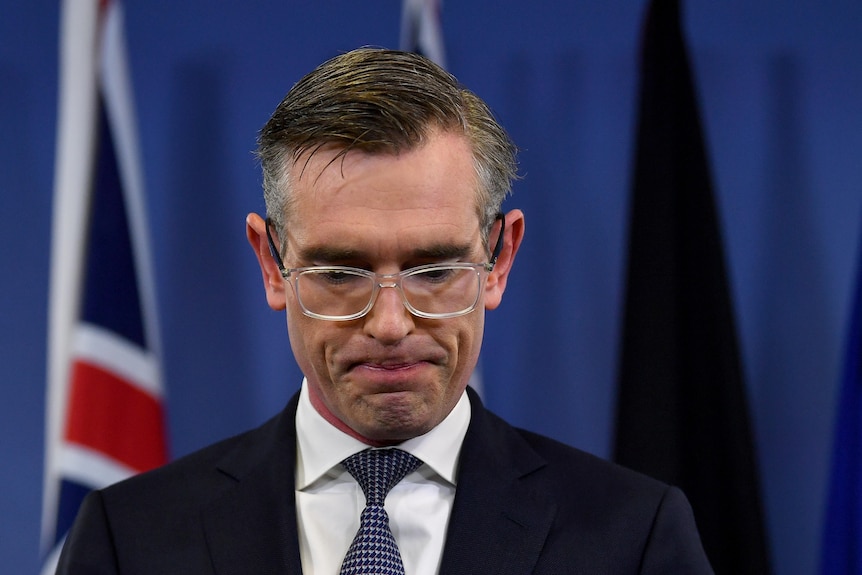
(329, 501)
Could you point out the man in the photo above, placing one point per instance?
(384, 244)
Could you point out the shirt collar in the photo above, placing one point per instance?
(321, 446)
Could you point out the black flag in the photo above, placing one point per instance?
(682, 413)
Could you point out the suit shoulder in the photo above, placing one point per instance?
(605, 518)
(588, 468)
(559, 462)
(201, 473)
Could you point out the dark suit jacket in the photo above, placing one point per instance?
(524, 504)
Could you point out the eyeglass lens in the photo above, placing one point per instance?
(343, 293)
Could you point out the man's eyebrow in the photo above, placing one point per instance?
(329, 254)
(443, 252)
(334, 254)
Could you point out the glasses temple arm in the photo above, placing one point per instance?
(498, 246)
(272, 249)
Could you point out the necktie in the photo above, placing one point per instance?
(374, 551)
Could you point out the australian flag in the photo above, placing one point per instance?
(105, 412)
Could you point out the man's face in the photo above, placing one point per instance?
(388, 376)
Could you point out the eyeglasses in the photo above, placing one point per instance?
(432, 291)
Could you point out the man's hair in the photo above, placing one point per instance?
(381, 101)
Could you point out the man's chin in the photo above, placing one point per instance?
(393, 417)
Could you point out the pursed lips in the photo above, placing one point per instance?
(390, 375)
(403, 360)
(390, 366)
(393, 368)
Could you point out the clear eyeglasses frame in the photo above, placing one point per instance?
(431, 291)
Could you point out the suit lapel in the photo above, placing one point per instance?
(251, 528)
(499, 521)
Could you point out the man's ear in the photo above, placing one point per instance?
(273, 283)
(512, 236)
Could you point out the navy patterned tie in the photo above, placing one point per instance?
(374, 551)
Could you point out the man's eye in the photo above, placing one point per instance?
(339, 277)
(437, 275)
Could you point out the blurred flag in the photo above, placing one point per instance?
(421, 31)
(842, 533)
(682, 415)
(104, 416)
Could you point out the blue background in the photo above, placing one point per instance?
(781, 95)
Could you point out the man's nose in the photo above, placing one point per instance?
(389, 320)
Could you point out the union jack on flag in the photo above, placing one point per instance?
(105, 417)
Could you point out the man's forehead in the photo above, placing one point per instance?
(377, 229)
(426, 192)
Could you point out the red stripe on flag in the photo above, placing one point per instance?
(109, 415)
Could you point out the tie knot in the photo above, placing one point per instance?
(378, 470)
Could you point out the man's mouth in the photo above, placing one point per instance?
(398, 375)
(389, 366)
